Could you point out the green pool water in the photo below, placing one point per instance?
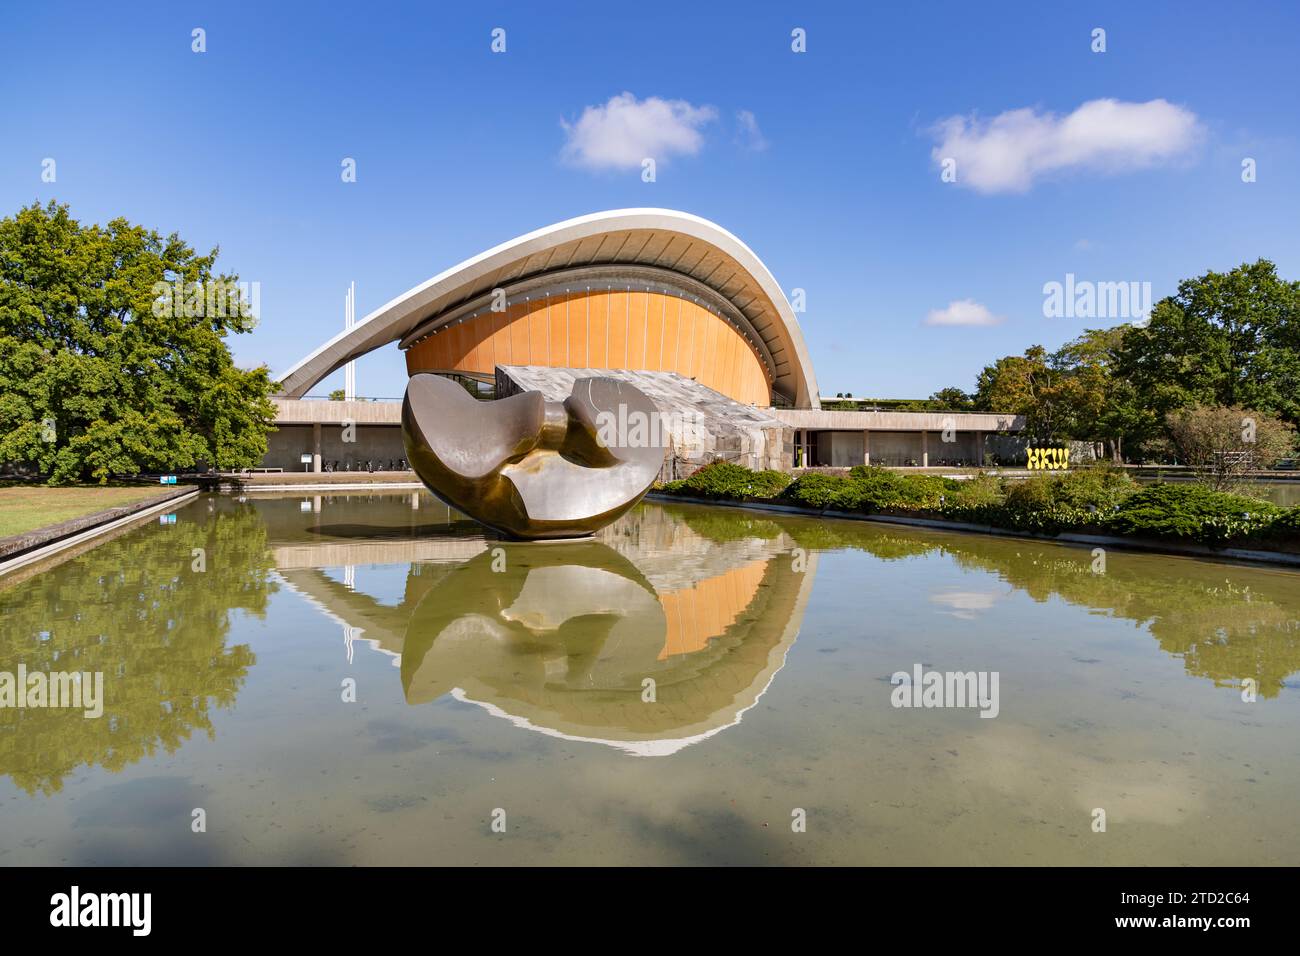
(367, 679)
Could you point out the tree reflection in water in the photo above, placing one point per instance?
(1221, 630)
(704, 602)
(134, 609)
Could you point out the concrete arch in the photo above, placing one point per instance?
(699, 251)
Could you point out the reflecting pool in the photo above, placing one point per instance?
(368, 679)
(1284, 493)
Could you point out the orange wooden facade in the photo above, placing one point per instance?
(637, 329)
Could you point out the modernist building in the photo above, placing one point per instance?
(667, 300)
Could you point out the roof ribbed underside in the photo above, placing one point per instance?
(660, 238)
(686, 255)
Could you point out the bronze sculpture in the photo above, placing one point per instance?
(530, 468)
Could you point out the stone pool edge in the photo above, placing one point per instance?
(1148, 545)
(22, 549)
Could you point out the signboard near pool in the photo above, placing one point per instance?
(1048, 458)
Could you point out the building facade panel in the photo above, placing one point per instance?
(578, 330)
(598, 336)
(638, 329)
(558, 334)
(616, 329)
(637, 317)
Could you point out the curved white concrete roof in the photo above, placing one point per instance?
(663, 238)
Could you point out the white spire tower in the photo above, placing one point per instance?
(349, 320)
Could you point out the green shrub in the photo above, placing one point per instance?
(813, 490)
(876, 472)
(1044, 504)
(1286, 525)
(1102, 488)
(1031, 494)
(867, 489)
(1191, 511)
(873, 488)
(976, 492)
(1089, 489)
(726, 480)
(1050, 520)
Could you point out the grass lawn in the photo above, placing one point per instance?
(24, 507)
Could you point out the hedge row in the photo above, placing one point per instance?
(1099, 500)
(728, 481)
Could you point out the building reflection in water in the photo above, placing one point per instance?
(649, 638)
(705, 603)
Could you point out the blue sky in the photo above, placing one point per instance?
(839, 192)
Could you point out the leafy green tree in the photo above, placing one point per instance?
(1098, 404)
(113, 354)
(1227, 339)
(1073, 394)
(951, 399)
(1027, 385)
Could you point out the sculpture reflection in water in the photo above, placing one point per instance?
(530, 468)
(636, 641)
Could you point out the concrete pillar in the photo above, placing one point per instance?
(925, 449)
(866, 446)
(979, 448)
(315, 447)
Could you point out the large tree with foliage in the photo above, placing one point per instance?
(1074, 393)
(1226, 339)
(96, 380)
(951, 399)
(1097, 403)
(1025, 385)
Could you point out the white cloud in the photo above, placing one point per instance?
(624, 131)
(965, 604)
(748, 134)
(963, 312)
(1008, 152)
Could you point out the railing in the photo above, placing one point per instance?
(369, 465)
(359, 398)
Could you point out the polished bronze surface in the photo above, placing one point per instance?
(530, 468)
